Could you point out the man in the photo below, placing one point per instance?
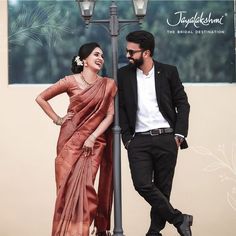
(154, 112)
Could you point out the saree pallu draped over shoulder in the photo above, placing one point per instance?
(77, 204)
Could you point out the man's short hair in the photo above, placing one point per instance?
(145, 40)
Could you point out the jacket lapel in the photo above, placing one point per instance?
(133, 81)
(158, 78)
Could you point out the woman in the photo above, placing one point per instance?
(83, 145)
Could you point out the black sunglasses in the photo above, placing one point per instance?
(132, 52)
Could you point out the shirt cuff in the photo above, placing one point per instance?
(180, 135)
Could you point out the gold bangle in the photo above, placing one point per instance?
(58, 121)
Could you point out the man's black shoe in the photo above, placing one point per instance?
(184, 229)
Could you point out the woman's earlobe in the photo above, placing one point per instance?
(85, 63)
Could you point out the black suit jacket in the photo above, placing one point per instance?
(171, 98)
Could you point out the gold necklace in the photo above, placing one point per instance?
(85, 81)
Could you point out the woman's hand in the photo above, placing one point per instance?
(68, 116)
(88, 145)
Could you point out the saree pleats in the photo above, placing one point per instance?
(77, 204)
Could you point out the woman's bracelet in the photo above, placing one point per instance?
(58, 121)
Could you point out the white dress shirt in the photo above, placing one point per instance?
(148, 114)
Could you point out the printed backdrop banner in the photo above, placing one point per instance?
(196, 36)
(199, 37)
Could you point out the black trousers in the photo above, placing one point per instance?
(152, 161)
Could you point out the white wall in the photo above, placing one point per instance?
(205, 179)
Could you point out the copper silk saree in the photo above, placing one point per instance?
(77, 204)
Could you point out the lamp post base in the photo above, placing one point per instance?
(118, 234)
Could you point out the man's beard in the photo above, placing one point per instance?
(136, 62)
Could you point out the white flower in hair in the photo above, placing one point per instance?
(78, 61)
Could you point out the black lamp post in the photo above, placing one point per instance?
(113, 24)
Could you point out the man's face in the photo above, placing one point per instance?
(134, 54)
